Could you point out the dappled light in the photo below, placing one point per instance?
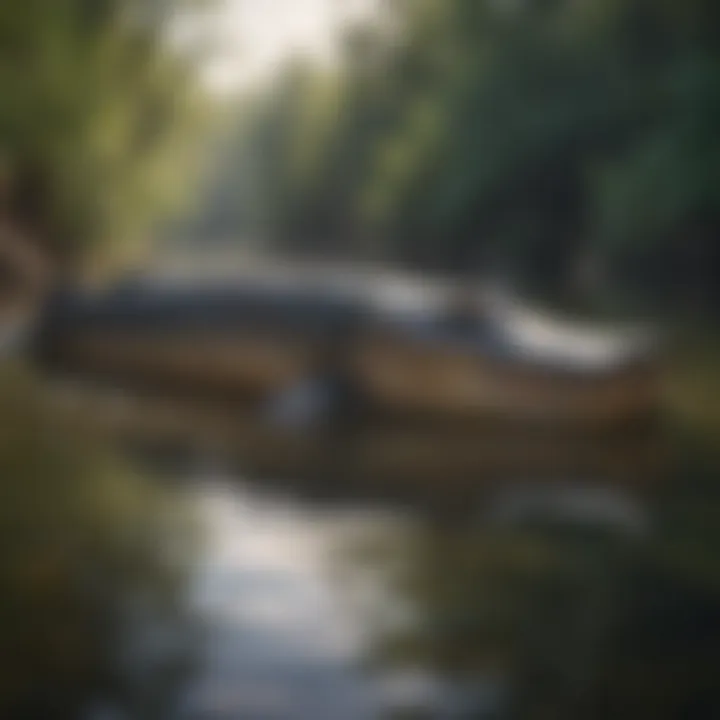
(359, 360)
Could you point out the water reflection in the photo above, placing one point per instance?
(290, 630)
(280, 643)
(259, 576)
(553, 622)
(92, 565)
(431, 462)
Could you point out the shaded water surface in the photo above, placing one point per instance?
(174, 575)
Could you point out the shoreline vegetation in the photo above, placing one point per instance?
(84, 534)
(567, 148)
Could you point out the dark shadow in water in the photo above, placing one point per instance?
(93, 565)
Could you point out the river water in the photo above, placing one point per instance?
(289, 612)
(283, 639)
(172, 575)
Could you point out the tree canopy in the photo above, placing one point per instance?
(568, 145)
(95, 110)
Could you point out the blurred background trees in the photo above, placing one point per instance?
(96, 118)
(570, 147)
(567, 146)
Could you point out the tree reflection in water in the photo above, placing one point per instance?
(461, 614)
(552, 619)
(92, 561)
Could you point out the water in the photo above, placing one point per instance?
(280, 642)
(171, 575)
(286, 615)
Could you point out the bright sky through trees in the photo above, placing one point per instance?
(249, 40)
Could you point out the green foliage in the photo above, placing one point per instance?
(94, 118)
(519, 138)
(83, 545)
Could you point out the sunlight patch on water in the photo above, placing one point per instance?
(279, 641)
